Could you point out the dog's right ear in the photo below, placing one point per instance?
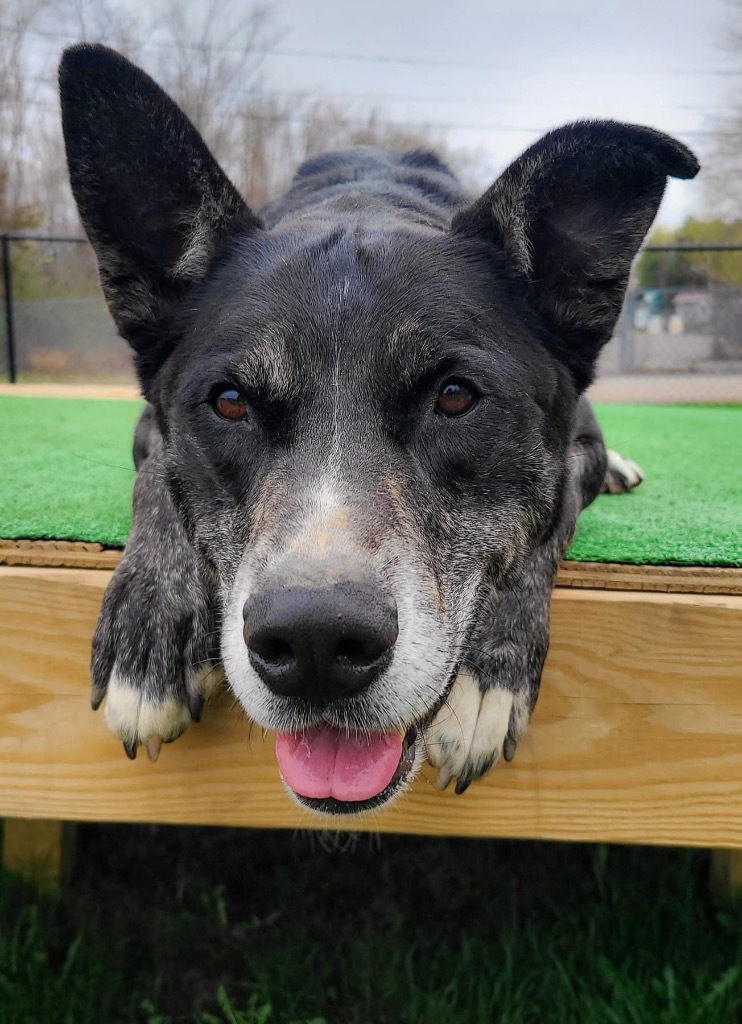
(155, 204)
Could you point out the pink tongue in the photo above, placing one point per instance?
(324, 761)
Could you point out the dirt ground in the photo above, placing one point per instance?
(71, 390)
(714, 388)
(711, 388)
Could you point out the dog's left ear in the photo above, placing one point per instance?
(570, 215)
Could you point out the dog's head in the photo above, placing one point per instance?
(366, 409)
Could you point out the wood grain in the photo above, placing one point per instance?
(676, 579)
(637, 736)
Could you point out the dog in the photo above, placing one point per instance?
(366, 441)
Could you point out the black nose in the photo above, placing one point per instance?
(320, 642)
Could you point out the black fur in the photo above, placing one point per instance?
(339, 314)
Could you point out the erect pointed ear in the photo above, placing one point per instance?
(154, 202)
(570, 215)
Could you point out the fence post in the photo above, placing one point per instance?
(9, 323)
(626, 335)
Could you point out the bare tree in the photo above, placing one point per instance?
(723, 173)
(211, 59)
(33, 179)
(16, 19)
(213, 63)
(47, 178)
(210, 55)
(98, 21)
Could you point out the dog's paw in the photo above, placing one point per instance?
(154, 657)
(473, 729)
(621, 474)
(140, 718)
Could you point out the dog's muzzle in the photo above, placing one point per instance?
(319, 636)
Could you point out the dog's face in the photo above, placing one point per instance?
(369, 450)
(366, 413)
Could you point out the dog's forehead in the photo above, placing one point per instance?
(384, 301)
(403, 345)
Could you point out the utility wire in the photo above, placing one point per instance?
(401, 97)
(369, 122)
(278, 51)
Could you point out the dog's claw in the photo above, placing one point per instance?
(96, 697)
(509, 748)
(153, 745)
(141, 719)
(195, 706)
(475, 728)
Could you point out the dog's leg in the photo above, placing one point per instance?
(155, 651)
(490, 703)
(493, 696)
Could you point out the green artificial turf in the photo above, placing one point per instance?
(66, 474)
(688, 510)
(66, 470)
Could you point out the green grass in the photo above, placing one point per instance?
(167, 926)
(67, 474)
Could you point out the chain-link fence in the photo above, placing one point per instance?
(55, 325)
(682, 320)
(682, 314)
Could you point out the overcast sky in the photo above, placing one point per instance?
(502, 72)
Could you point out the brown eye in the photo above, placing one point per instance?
(230, 404)
(454, 399)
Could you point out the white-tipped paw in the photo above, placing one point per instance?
(140, 718)
(621, 474)
(473, 730)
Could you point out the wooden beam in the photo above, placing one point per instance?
(637, 736)
(726, 877)
(60, 554)
(39, 851)
(668, 579)
(676, 579)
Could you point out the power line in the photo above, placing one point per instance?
(439, 62)
(313, 94)
(407, 125)
(369, 122)
(277, 51)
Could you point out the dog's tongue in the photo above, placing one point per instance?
(323, 762)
